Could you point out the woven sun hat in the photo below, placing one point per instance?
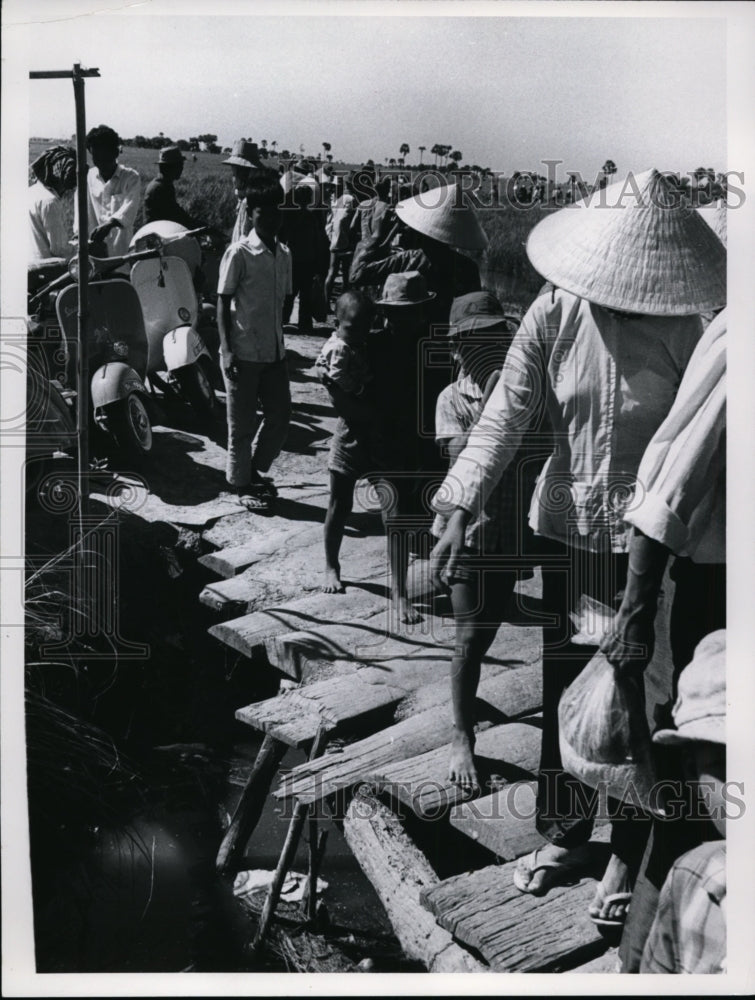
(408, 288)
(715, 216)
(634, 247)
(700, 709)
(244, 154)
(445, 215)
(475, 311)
(170, 154)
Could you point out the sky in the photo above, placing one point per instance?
(508, 91)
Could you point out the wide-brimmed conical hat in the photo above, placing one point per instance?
(633, 247)
(444, 214)
(715, 216)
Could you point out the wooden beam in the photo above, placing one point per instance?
(399, 872)
(515, 931)
(504, 822)
(301, 811)
(503, 753)
(251, 803)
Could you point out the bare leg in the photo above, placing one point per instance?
(339, 508)
(398, 558)
(478, 617)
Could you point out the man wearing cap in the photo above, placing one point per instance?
(482, 588)
(160, 196)
(436, 224)
(688, 933)
(243, 161)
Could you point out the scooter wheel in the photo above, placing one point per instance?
(196, 387)
(129, 423)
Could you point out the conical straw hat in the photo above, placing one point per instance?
(444, 215)
(635, 248)
(715, 216)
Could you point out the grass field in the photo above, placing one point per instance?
(206, 192)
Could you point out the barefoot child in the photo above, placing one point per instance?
(481, 585)
(342, 368)
(366, 407)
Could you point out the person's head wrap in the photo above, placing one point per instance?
(56, 168)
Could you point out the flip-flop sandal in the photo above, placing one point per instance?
(255, 501)
(605, 901)
(562, 872)
(266, 485)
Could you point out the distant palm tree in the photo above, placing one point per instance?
(404, 149)
(436, 152)
(421, 151)
(608, 168)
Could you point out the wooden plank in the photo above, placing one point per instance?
(232, 560)
(399, 872)
(247, 634)
(295, 715)
(360, 642)
(502, 753)
(515, 931)
(311, 782)
(504, 822)
(506, 690)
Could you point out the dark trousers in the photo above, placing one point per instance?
(566, 807)
(302, 276)
(266, 386)
(699, 607)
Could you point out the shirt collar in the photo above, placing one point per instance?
(98, 175)
(255, 244)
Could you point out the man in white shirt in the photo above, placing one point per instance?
(55, 172)
(114, 193)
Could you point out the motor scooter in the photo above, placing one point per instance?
(180, 358)
(116, 347)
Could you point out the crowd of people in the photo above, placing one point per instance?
(586, 441)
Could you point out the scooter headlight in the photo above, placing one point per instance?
(120, 349)
(73, 268)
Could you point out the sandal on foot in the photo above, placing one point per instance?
(562, 871)
(265, 485)
(604, 901)
(255, 499)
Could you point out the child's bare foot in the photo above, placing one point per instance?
(461, 769)
(333, 583)
(406, 613)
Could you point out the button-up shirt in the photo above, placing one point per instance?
(608, 381)
(49, 232)
(116, 199)
(688, 934)
(681, 499)
(259, 281)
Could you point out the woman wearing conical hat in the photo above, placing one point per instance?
(434, 225)
(603, 350)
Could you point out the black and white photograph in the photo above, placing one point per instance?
(377, 487)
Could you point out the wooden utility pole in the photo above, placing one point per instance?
(78, 75)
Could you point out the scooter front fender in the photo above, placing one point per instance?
(183, 346)
(114, 381)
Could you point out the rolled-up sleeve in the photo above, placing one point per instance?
(679, 481)
(495, 439)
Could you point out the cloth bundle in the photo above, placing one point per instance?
(57, 164)
(603, 733)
